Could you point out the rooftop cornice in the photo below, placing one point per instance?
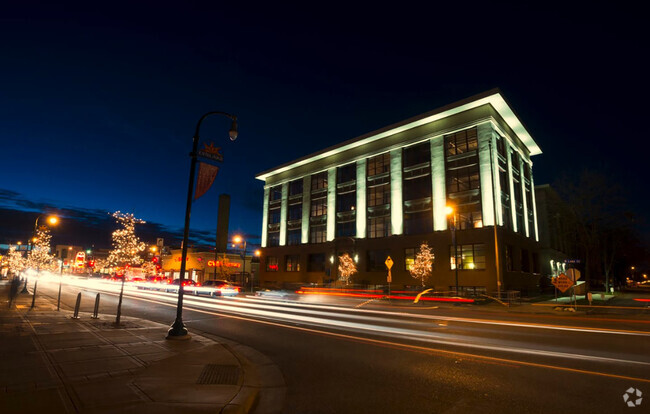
(492, 97)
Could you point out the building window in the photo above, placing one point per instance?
(409, 258)
(462, 142)
(292, 263)
(295, 187)
(463, 175)
(346, 202)
(536, 263)
(470, 256)
(274, 216)
(376, 259)
(294, 237)
(379, 164)
(276, 193)
(418, 222)
(319, 181)
(379, 227)
(273, 239)
(271, 264)
(318, 233)
(318, 207)
(416, 154)
(525, 261)
(346, 228)
(316, 262)
(295, 212)
(509, 256)
(346, 173)
(379, 195)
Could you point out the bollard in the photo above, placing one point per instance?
(96, 311)
(76, 307)
(34, 295)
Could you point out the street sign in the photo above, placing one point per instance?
(389, 262)
(210, 152)
(573, 274)
(562, 282)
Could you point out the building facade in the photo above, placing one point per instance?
(385, 193)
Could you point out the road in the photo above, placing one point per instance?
(338, 359)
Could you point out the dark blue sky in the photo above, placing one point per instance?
(98, 102)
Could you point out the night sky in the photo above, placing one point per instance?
(99, 101)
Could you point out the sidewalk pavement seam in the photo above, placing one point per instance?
(62, 389)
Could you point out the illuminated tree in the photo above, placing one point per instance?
(15, 261)
(148, 268)
(40, 257)
(127, 247)
(347, 268)
(421, 268)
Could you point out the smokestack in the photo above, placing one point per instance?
(223, 217)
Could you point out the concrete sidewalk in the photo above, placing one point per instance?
(53, 363)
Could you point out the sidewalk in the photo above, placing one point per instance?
(53, 363)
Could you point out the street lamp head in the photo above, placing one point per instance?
(53, 220)
(237, 239)
(258, 253)
(449, 210)
(233, 129)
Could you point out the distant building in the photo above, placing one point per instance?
(384, 193)
(203, 265)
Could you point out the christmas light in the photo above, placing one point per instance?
(126, 245)
(347, 268)
(421, 268)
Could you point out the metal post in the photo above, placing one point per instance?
(76, 307)
(96, 310)
(34, 295)
(453, 236)
(58, 301)
(119, 303)
(178, 329)
(494, 216)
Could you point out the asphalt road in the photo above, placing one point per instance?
(379, 359)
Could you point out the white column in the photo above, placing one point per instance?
(513, 204)
(331, 203)
(283, 214)
(497, 181)
(523, 198)
(439, 190)
(306, 209)
(265, 215)
(396, 203)
(484, 132)
(532, 189)
(361, 199)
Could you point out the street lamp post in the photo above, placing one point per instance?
(450, 211)
(52, 220)
(178, 329)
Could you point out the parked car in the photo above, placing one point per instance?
(173, 286)
(216, 288)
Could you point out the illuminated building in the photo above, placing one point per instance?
(384, 193)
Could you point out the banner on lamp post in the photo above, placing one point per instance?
(207, 174)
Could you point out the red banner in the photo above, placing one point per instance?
(207, 174)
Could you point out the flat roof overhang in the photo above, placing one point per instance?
(492, 97)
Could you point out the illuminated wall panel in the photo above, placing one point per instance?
(283, 214)
(306, 208)
(532, 189)
(265, 215)
(439, 195)
(396, 205)
(361, 198)
(513, 204)
(484, 132)
(331, 203)
(522, 181)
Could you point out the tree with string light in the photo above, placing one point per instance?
(421, 267)
(347, 268)
(127, 247)
(39, 257)
(15, 261)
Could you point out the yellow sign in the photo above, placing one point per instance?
(389, 278)
(562, 282)
(389, 262)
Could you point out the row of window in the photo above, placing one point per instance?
(470, 257)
